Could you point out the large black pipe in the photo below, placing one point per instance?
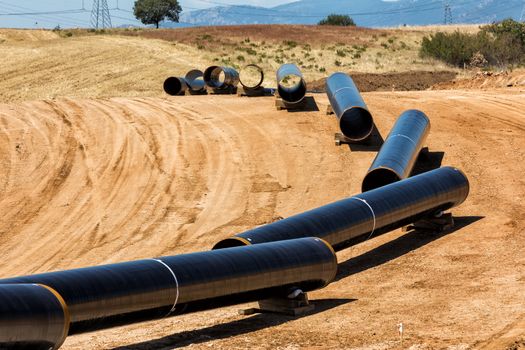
(355, 120)
(246, 84)
(221, 78)
(175, 86)
(105, 296)
(195, 81)
(351, 220)
(297, 91)
(32, 317)
(399, 153)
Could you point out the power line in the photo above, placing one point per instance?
(43, 16)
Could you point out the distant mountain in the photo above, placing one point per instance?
(369, 13)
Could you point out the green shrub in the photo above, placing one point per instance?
(500, 44)
(337, 20)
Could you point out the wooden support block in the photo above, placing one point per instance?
(280, 104)
(329, 110)
(283, 306)
(433, 224)
(232, 90)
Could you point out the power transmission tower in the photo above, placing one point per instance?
(447, 17)
(522, 17)
(100, 17)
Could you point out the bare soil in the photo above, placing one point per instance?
(402, 81)
(95, 181)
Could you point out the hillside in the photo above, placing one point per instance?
(369, 13)
(117, 61)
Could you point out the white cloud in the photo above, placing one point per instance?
(213, 3)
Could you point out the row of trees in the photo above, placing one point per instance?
(156, 11)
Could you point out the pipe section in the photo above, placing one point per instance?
(357, 218)
(195, 81)
(246, 83)
(355, 120)
(175, 86)
(297, 91)
(221, 78)
(32, 317)
(399, 153)
(105, 296)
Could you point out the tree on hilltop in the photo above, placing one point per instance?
(337, 20)
(156, 11)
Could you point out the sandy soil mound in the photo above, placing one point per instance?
(486, 80)
(86, 181)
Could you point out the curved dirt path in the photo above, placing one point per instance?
(86, 182)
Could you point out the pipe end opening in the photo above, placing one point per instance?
(356, 123)
(231, 242)
(173, 86)
(378, 178)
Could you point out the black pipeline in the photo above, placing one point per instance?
(194, 79)
(105, 296)
(354, 219)
(175, 86)
(399, 153)
(221, 78)
(246, 72)
(33, 317)
(291, 85)
(355, 120)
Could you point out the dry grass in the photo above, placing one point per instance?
(89, 66)
(41, 64)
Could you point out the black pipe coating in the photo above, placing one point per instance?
(295, 93)
(352, 220)
(221, 78)
(399, 153)
(175, 86)
(32, 317)
(355, 120)
(105, 296)
(245, 84)
(195, 81)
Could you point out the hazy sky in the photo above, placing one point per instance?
(82, 19)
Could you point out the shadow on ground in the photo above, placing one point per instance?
(394, 249)
(230, 329)
(427, 161)
(308, 105)
(372, 144)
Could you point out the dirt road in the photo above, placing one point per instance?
(86, 182)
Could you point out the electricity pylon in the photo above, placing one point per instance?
(100, 17)
(447, 17)
(522, 17)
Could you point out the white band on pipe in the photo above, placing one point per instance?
(341, 89)
(406, 137)
(176, 283)
(373, 214)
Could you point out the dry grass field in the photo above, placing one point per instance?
(97, 165)
(133, 63)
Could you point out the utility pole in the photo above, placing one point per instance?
(447, 17)
(100, 17)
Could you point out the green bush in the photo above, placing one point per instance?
(500, 44)
(337, 20)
